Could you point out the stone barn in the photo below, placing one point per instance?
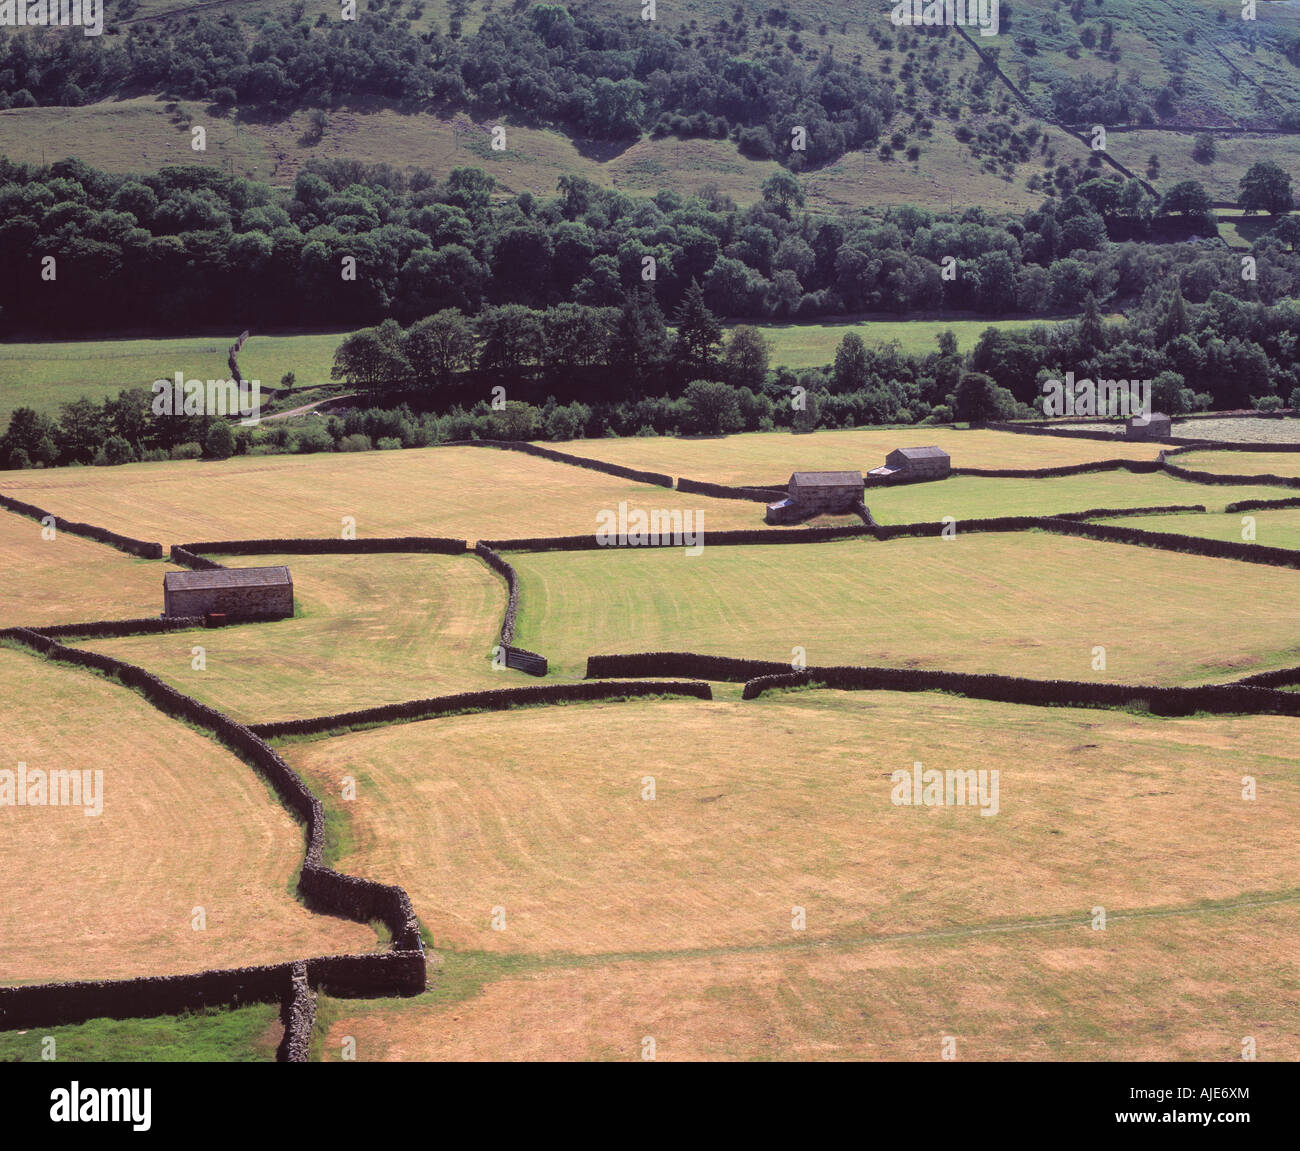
(906, 465)
(236, 593)
(817, 493)
(1157, 426)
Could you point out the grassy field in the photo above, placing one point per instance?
(145, 133)
(1242, 463)
(478, 493)
(767, 458)
(1234, 154)
(71, 580)
(1164, 989)
(1274, 529)
(46, 375)
(184, 824)
(240, 1035)
(369, 630)
(1229, 429)
(967, 497)
(813, 345)
(619, 906)
(1020, 604)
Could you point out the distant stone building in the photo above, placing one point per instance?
(236, 593)
(1157, 426)
(817, 493)
(908, 465)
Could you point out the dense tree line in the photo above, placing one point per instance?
(193, 248)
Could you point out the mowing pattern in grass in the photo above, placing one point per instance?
(478, 493)
(368, 630)
(238, 1035)
(184, 824)
(69, 579)
(1160, 989)
(1028, 604)
(1095, 808)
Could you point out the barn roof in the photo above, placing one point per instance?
(930, 453)
(826, 479)
(1152, 418)
(227, 578)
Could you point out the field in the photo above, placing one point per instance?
(1242, 463)
(474, 493)
(238, 1035)
(1048, 993)
(183, 825)
(1235, 153)
(968, 497)
(141, 134)
(801, 346)
(768, 458)
(1020, 604)
(69, 579)
(627, 917)
(1273, 529)
(46, 375)
(1227, 429)
(368, 630)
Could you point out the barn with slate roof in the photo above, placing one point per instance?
(1157, 426)
(815, 494)
(907, 464)
(236, 593)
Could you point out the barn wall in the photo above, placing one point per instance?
(271, 601)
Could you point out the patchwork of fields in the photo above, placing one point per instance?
(734, 878)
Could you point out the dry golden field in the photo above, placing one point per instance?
(672, 917)
(540, 812)
(184, 824)
(1177, 988)
(370, 629)
(69, 579)
(476, 493)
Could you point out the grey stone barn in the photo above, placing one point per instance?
(907, 464)
(817, 493)
(1158, 426)
(236, 593)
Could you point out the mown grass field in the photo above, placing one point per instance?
(768, 458)
(368, 630)
(1246, 431)
(463, 492)
(238, 1035)
(967, 497)
(184, 824)
(1274, 529)
(1021, 604)
(1164, 989)
(71, 580)
(691, 894)
(1242, 463)
(46, 375)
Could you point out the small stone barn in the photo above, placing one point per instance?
(817, 493)
(236, 593)
(906, 464)
(1157, 427)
